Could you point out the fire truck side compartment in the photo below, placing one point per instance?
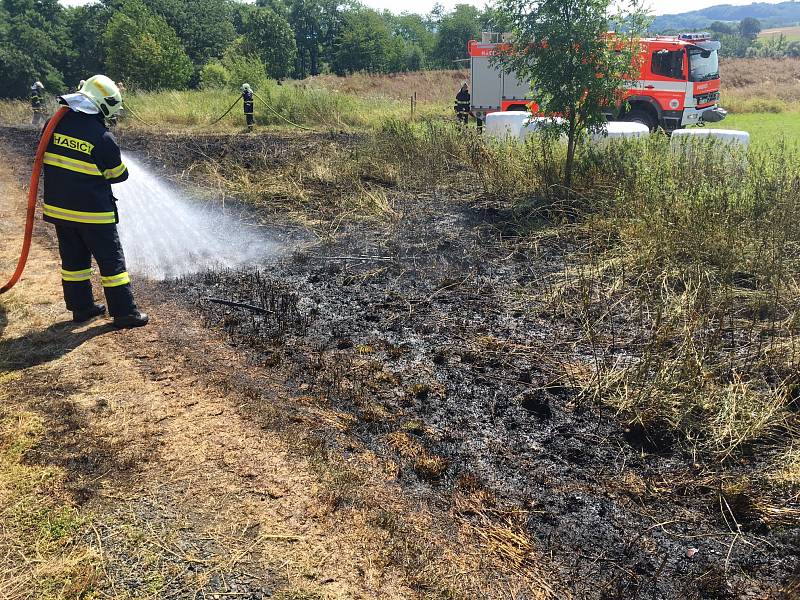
(515, 88)
(486, 84)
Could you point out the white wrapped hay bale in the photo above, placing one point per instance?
(619, 130)
(730, 137)
(533, 125)
(702, 144)
(506, 125)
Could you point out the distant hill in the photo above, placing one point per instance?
(770, 15)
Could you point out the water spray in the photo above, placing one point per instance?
(167, 235)
(33, 193)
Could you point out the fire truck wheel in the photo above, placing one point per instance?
(641, 116)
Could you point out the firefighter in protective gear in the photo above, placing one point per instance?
(81, 162)
(247, 96)
(462, 105)
(37, 103)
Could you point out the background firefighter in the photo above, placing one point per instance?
(463, 104)
(37, 103)
(81, 162)
(247, 96)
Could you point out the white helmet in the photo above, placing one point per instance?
(38, 84)
(246, 87)
(104, 93)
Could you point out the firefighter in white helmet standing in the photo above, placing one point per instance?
(81, 163)
(249, 105)
(37, 103)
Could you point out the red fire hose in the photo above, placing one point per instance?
(33, 193)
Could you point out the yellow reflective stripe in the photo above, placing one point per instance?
(82, 275)
(71, 164)
(115, 280)
(115, 172)
(100, 218)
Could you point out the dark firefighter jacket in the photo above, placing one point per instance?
(81, 162)
(248, 102)
(36, 99)
(462, 101)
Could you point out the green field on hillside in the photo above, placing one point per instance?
(791, 34)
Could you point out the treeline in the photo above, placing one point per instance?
(741, 40)
(176, 44)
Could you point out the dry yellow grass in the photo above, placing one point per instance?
(430, 86)
(761, 84)
(40, 530)
(14, 112)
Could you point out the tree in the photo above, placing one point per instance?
(749, 28)
(86, 24)
(363, 43)
(415, 58)
(305, 18)
(34, 44)
(494, 19)
(205, 27)
(734, 46)
(269, 36)
(208, 31)
(413, 29)
(723, 28)
(455, 30)
(330, 26)
(579, 70)
(244, 66)
(143, 50)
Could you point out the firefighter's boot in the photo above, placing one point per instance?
(81, 316)
(135, 319)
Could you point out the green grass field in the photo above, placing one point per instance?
(766, 128)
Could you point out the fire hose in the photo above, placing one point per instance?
(136, 116)
(280, 116)
(223, 114)
(33, 193)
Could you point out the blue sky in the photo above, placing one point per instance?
(424, 6)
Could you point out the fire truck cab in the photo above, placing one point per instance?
(678, 83)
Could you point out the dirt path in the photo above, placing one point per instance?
(176, 493)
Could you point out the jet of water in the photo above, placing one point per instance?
(165, 235)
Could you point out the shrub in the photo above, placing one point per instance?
(244, 67)
(214, 75)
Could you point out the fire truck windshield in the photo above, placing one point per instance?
(703, 64)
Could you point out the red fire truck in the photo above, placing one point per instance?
(678, 84)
